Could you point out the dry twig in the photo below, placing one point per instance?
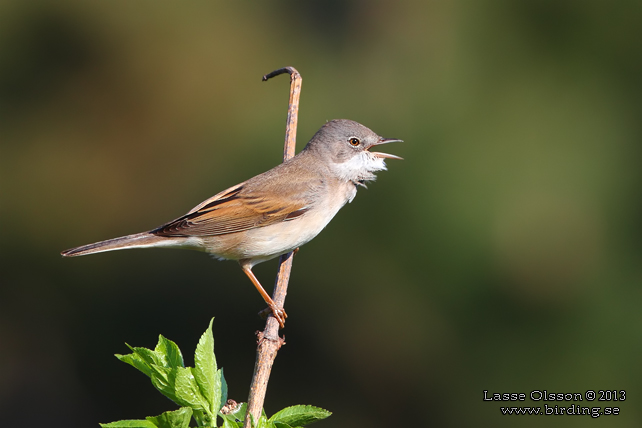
(269, 341)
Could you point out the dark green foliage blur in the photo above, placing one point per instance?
(503, 254)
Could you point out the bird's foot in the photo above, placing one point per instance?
(279, 314)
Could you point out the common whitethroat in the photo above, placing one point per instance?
(275, 212)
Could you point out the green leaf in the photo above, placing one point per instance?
(201, 418)
(177, 419)
(164, 379)
(231, 424)
(300, 415)
(223, 388)
(148, 356)
(236, 418)
(137, 362)
(129, 424)
(169, 353)
(282, 425)
(205, 370)
(201, 390)
(187, 391)
(263, 422)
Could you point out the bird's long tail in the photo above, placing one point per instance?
(138, 240)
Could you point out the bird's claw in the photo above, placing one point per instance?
(278, 313)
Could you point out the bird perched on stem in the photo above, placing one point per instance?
(275, 212)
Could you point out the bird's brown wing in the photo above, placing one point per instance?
(233, 210)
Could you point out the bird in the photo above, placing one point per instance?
(275, 212)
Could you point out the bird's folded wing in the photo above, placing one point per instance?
(233, 211)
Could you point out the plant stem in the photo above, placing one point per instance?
(269, 340)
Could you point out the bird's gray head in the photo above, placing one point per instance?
(345, 146)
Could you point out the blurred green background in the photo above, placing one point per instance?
(503, 254)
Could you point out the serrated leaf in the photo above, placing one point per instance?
(148, 356)
(129, 424)
(164, 379)
(177, 419)
(187, 391)
(281, 425)
(205, 370)
(169, 353)
(218, 401)
(300, 415)
(137, 362)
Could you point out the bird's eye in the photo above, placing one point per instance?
(354, 141)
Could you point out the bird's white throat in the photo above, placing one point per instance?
(359, 168)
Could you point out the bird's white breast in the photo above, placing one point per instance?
(264, 243)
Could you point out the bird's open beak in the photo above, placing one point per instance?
(386, 155)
